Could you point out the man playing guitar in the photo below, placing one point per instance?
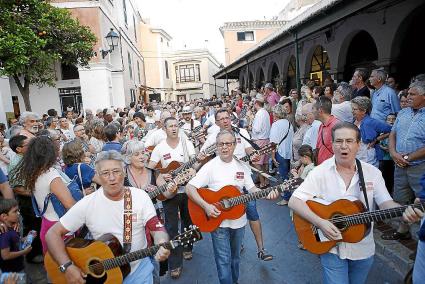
(338, 178)
(217, 173)
(242, 148)
(102, 212)
(178, 148)
(190, 124)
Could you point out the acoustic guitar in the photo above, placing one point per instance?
(181, 178)
(230, 202)
(102, 259)
(350, 217)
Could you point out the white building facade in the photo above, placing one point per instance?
(112, 79)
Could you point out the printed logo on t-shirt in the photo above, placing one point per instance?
(167, 156)
(239, 175)
(369, 185)
(238, 140)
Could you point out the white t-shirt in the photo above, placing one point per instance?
(241, 144)
(317, 185)
(216, 174)
(102, 216)
(343, 111)
(164, 153)
(261, 125)
(42, 188)
(187, 126)
(155, 137)
(9, 154)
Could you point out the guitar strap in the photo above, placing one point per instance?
(128, 222)
(362, 183)
(286, 135)
(238, 131)
(266, 175)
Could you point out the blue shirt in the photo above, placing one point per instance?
(87, 174)
(11, 240)
(111, 145)
(3, 178)
(384, 102)
(410, 132)
(371, 128)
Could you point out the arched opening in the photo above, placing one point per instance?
(320, 65)
(251, 81)
(242, 84)
(362, 52)
(275, 76)
(291, 78)
(261, 80)
(411, 58)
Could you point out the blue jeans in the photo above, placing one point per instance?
(419, 268)
(284, 165)
(227, 249)
(344, 271)
(143, 273)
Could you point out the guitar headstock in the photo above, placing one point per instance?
(210, 150)
(184, 176)
(266, 149)
(189, 236)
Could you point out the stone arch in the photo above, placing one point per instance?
(273, 73)
(259, 77)
(357, 50)
(405, 48)
(291, 73)
(251, 81)
(317, 61)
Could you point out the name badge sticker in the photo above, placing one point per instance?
(369, 186)
(239, 176)
(167, 156)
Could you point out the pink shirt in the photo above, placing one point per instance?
(273, 98)
(325, 130)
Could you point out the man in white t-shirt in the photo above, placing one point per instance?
(222, 171)
(338, 178)
(242, 148)
(102, 213)
(174, 148)
(191, 124)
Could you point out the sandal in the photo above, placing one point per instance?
(263, 255)
(187, 255)
(175, 273)
(396, 236)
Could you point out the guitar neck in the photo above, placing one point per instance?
(245, 198)
(159, 190)
(133, 256)
(378, 215)
(193, 161)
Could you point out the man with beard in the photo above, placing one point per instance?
(29, 120)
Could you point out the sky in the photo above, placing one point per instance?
(196, 23)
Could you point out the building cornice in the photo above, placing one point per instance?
(162, 32)
(234, 26)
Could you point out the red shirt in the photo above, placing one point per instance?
(325, 131)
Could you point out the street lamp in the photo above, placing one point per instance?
(112, 39)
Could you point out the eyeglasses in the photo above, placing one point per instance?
(50, 137)
(227, 144)
(115, 173)
(224, 118)
(348, 142)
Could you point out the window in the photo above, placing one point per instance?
(69, 72)
(138, 71)
(245, 36)
(124, 9)
(188, 73)
(166, 70)
(132, 95)
(135, 28)
(130, 68)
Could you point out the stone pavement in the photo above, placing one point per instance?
(290, 264)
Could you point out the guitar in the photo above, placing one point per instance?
(230, 202)
(175, 167)
(102, 259)
(350, 217)
(181, 178)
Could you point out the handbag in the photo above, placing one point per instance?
(60, 210)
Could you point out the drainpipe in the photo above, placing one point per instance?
(247, 76)
(227, 84)
(215, 87)
(297, 63)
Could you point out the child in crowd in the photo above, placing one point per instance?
(387, 164)
(307, 162)
(12, 258)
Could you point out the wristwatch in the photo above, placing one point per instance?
(64, 266)
(406, 157)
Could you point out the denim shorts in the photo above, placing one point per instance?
(251, 209)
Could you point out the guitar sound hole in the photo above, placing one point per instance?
(96, 268)
(341, 225)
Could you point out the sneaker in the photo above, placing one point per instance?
(263, 255)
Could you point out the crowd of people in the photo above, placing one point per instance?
(317, 134)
